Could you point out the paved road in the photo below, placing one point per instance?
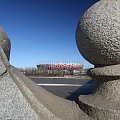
(66, 88)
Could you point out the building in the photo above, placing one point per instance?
(60, 68)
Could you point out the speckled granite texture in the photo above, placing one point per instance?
(98, 33)
(22, 99)
(13, 105)
(98, 40)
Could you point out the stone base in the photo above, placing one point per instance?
(99, 109)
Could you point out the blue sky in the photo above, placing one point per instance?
(42, 31)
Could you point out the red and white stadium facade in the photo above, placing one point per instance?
(60, 66)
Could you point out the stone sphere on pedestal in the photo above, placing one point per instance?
(98, 40)
(98, 33)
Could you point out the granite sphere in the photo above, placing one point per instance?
(6, 46)
(98, 33)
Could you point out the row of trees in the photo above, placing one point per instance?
(47, 72)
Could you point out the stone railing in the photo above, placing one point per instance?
(98, 40)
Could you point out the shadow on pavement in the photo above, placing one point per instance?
(86, 89)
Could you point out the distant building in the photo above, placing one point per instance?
(61, 68)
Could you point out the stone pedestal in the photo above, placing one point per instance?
(104, 102)
(98, 40)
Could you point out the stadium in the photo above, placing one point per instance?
(61, 68)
